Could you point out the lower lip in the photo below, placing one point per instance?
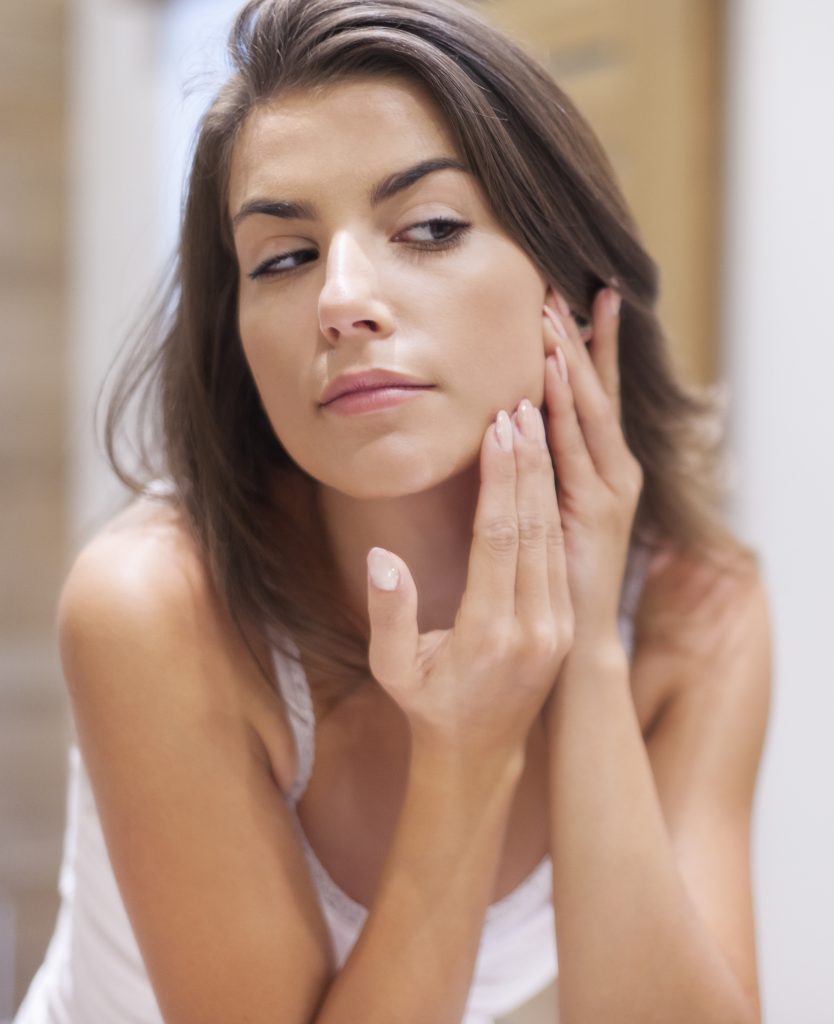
(371, 401)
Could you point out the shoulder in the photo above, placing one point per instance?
(700, 603)
(140, 624)
(703, 622)
(140, 579)
(185, 789)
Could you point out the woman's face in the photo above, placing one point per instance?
(337, 278)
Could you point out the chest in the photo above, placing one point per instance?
(350, 808)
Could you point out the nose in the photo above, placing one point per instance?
(349, 303)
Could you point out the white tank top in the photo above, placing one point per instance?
(93, 971)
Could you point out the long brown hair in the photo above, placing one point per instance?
(250, 508)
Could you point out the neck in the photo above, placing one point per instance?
(431, 531)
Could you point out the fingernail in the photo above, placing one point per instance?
(527, 416)
(504, 431)
(382, 569)
(614, 302)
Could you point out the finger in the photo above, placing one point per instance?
(532, 589)
(566, 439)
(600, 427)
(557, 568)
(490, 582)
(392, 613)
(604, 345)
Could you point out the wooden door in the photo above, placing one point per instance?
(647, 75)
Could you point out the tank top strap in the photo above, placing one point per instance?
(637, 566)
(295, 689)
(292, 682)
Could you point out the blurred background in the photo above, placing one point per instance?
(717, 117)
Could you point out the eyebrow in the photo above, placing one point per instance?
(385, 189)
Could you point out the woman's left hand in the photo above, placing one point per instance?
(600, 480)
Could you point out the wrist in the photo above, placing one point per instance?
(436, 761)
(602, 646)
(599, 651)
(597, 663)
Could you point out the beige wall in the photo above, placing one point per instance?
(33, 721)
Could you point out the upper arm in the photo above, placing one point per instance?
(705, 749)
(200, 838)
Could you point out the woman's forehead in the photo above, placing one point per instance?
(353, 129)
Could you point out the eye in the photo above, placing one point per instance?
(277, 265)
(450, 231)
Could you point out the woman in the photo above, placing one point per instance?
(376, 676)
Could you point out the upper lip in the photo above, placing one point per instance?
(367, 380)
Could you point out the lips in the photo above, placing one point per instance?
(369, 380)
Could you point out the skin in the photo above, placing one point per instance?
(467, 319)
(655, 840)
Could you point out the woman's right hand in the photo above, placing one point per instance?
(480, 685)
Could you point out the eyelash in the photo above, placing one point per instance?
(460, 229)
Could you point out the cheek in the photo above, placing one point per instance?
(274, 369)
(267, 347)
(506, 335)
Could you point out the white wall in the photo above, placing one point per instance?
(779, 344)
(141, 74)
(113, 216)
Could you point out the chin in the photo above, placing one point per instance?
(385, 476)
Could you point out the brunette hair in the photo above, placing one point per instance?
(250, 508)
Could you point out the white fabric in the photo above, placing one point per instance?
(93, 972)
(517, 956)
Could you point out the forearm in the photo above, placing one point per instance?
(632, 947)
(415, 957)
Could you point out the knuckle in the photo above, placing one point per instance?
(532, 530)
(543, 639)
(628, 485)
(555, 536)
(500, 534)
(601, 408)
(574, 443)
(529, 456)
(499, 643)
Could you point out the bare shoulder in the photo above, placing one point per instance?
(143, 560)
(699, 621)
(165, 701)
(140, 590)
(698, 604)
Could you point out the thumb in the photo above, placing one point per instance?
(392, 610)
